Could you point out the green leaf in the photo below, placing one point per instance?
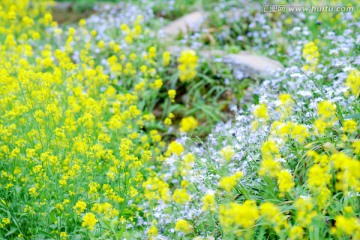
(12, 230)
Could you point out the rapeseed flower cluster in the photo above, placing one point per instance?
(236, 216)
(271, 167)
(229, 182)
(311, 55)
(353, 82)
(327, 116)
(180, 196)
(227, 153)
(209, 203)
(89, 221)
(187, 65)
(76, 124)
(188, 124)
(175, 148)
(172, 94)
(183, 226)
(273, 216)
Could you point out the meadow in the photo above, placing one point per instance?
(106, 132)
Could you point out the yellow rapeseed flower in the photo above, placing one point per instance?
(350, 126)
(80, 207)
(176, 148)
(166, 59)
(187, 65)
(311, 55)
(240, 215)
(229, 182)
(285, 181)
(347, 225)
(209, 203)
(172, 94)
(153, 231)
(353, 82)
(183, 226)
(261, 112)
(227, 153)
(180, 196)
(89, 221)
(188, 124)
